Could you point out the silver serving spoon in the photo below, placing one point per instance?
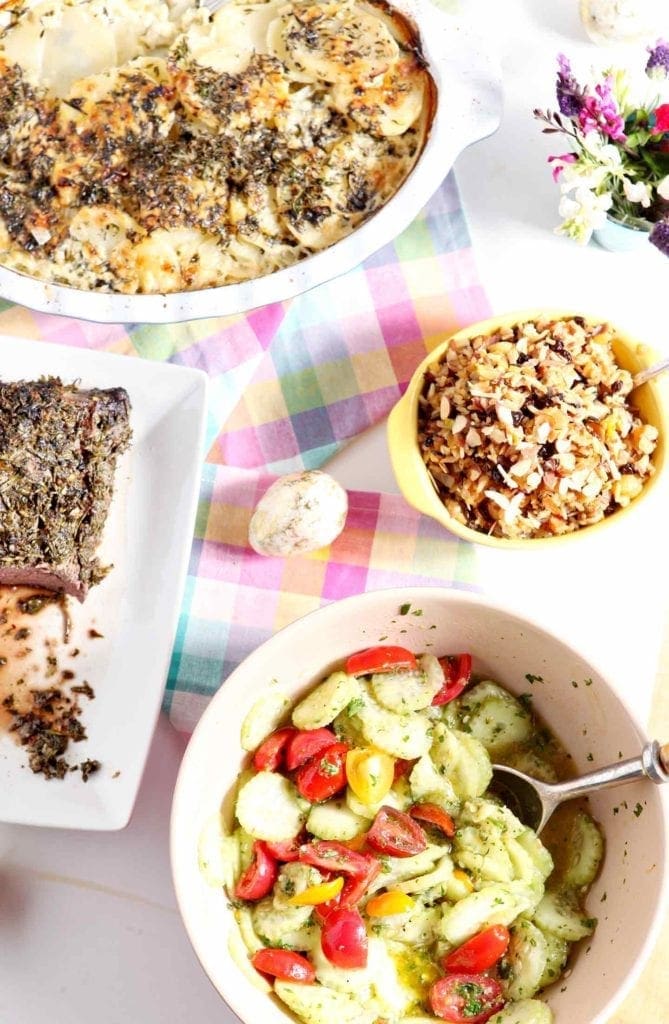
(651, 371)
(534, 801)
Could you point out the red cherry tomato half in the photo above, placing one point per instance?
(466, 998)
(344, 939)
(329, 855)
(269, 754)
(354, 889)
(380, 659)
(305, 744)
(395, 833)
(457, 673)
(479, 953)
(286, 851)
(402, 768)
(324, 775)
(434, 815)
(356, 886)
(281, 963)
(260, 875)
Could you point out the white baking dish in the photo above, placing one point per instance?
(469, 101)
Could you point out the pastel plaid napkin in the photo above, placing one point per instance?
(311, 373)
(236, 599)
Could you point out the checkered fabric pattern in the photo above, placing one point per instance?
(235, 599)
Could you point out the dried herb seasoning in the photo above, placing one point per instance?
(46, 728)
(58, 450)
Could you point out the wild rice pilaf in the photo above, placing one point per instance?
(529, 432)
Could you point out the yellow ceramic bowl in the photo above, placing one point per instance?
(415, 483)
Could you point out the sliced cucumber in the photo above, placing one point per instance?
(529, 1011)
(399, 869)
(239, 954)
(527, 958)
(497, 903)
(335, 820)
(218, 855)
(392, 997)
(269, 807)
(369, 811)
(480, 850)
(561, 914)
(532, 763)
(272, 925)
(541, 857)
(402, 692)
(481, 810)
(416, 927)
(348, 728)
(462, 759)
(586, 851)
(326, 701)
(499, 723)
(405, 736)
(484, 690)
(244, 918)
(438, 878)
(427, 782)
(293, 879)
(557, 952)
(264, 717)
(315, 1004)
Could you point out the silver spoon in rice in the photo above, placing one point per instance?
(533, 801)
(651, 371)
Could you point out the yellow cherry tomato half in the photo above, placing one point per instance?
(316, 894)
(389, 903)
(370, 773)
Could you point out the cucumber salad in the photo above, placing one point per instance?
(375, 878)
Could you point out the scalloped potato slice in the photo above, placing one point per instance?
(234, 34)
(47, 45)
(387, 108)
(332, 42)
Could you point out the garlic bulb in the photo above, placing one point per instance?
(300, 512)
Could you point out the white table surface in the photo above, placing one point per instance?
(89, 929)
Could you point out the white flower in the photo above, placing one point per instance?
(637, 192)
(583, 212)
(663, 188)
(603, 152)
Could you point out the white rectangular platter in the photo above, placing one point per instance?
(147, 538)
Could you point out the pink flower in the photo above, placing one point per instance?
(661, 119)
(561, 162)
(600, 113)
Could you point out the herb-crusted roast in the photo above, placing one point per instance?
(58, 451)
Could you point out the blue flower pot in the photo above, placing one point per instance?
(616, 236)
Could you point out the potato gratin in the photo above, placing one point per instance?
(152, 148)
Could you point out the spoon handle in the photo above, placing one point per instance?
(653, 764)
(651, 371)
(612, 775)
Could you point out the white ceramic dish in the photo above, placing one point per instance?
(469, 105)
(148, 538)
(591, 720)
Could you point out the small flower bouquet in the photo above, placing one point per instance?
(618, 164)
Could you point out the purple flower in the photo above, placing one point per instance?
(569, 92)
(600, 113)
(658, 62)
(659, 236)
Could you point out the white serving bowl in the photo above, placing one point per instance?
(592, 721)
(469, 103)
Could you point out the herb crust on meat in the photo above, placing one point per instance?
(58, 451)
